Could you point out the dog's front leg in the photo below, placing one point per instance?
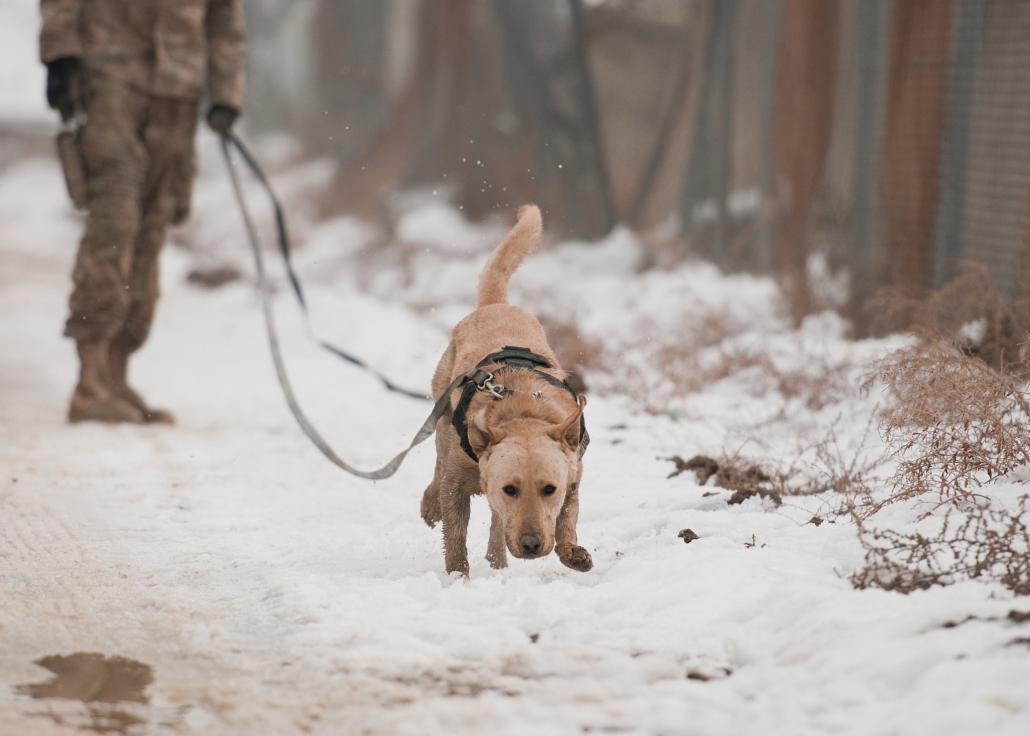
(454, 508)
(495, 551)
(431, 512)
(431, 503)
(565, 539)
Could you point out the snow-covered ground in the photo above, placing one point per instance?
(22, 77)
(272, 594)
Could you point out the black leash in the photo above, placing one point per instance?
(442, 405)
(284, 249)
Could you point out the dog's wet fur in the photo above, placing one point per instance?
(528, 442)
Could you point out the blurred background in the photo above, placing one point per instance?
(843, 145)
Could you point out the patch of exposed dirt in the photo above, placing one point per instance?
(743, 479)
(688, 536)
(213, 278)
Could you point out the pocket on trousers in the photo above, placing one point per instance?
(69, 151)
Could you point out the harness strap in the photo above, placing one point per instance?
(514, 357)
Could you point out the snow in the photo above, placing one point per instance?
(272, 594)
(22, 77)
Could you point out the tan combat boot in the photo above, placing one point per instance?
(119, 370)
(93, 399)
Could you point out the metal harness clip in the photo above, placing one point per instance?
(488, 385)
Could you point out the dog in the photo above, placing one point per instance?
(517, 436)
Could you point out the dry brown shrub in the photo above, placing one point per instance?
(959, 418)
(703, 354)
(987, 542)
(968, 301)
(674, 358)
(826, 467)
(817, 468)
(818, 382)
(954, 424)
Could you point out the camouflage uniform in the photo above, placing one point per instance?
(147, 63)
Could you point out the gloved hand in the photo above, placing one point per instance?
(66, 86)
(221, 117)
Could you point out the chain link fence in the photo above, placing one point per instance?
(891, 137)
(888, 140)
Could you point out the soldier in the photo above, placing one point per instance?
(136, 70)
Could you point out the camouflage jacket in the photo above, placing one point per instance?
(167, 48)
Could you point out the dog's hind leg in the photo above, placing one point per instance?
(565, 539)
(495, 551)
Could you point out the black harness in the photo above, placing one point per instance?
(482, 380)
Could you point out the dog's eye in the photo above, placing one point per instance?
(548, 490)
(510, 491)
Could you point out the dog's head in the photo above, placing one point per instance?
(526, 466)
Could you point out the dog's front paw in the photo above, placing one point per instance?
(498, 561)
(575, 557)
(462, 568)
(431, 509)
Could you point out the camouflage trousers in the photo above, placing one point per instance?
(140, 162)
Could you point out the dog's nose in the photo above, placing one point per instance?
(531, 543)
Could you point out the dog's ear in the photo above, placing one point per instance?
(482, 436)
(568, 432)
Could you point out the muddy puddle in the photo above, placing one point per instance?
(103, 684)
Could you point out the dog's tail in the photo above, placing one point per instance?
(519, 243)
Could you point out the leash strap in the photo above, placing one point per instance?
(284, 249)
(439, 409)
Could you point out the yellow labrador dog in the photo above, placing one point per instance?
(515, 433)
